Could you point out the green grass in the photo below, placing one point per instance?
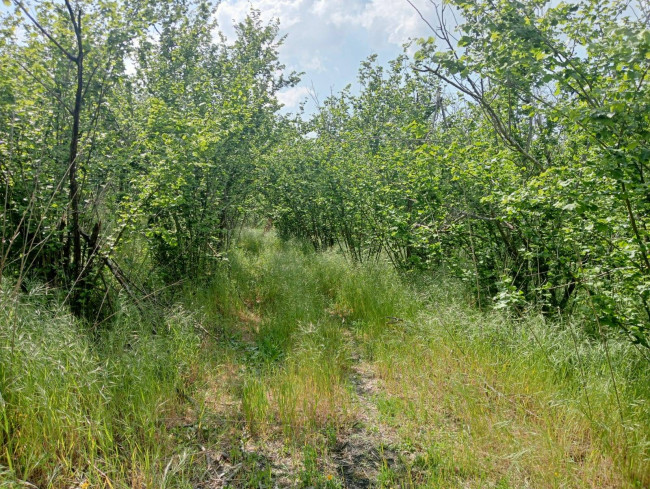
(76, 410)
(515, 401)
(301, 369)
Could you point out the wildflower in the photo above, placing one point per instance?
(330, 477)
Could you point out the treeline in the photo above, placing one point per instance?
(129, 133)
(512, 150)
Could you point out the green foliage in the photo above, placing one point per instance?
(142, 409)
(203, 117)
(39, 135)
(515, 157)
(173, 122)
(349, 177)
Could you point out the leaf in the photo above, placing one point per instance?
(464, 41)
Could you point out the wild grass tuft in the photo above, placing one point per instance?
(78, 409)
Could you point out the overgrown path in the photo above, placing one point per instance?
(322, 374)
(300, 369)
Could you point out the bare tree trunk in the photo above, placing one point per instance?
(76, 268)
(73, 164)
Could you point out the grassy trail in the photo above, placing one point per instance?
(340, 376)
(297, 369)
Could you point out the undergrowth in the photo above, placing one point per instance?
(292, 360)
(90, 410)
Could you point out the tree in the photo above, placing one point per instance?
(564, 88)
(69, 61)
(205, 113)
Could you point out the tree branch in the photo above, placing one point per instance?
(48, 89)
(45, 33)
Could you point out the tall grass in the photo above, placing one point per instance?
(78, 410)
(481, 399)
(473, 399)
(571, 411)
(297, 310)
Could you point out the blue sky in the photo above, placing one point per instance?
(327, 39)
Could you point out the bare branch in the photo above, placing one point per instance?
(421, 16)
(45, 32)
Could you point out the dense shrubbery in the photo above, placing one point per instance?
(102, 164)
(515, 156)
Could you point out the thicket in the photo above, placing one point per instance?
(511, 149)
(128, 137)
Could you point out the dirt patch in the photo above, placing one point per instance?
(359, 460)
(357, 457)
(361, 455)
(219, 394)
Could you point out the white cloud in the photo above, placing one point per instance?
(327, 39)
(313, 63)
(392, 20)
(397, 20)
(337, 12)
(292, 97)
(288, 11)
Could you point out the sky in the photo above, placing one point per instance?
(328, 39)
